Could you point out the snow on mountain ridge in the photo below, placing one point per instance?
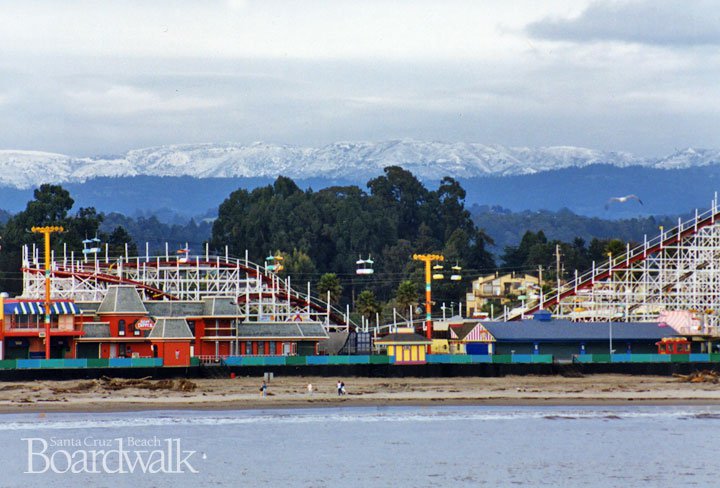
(347, 160)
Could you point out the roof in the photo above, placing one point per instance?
(122, 299)
(565, 330)
(403, 337)
(471, 332)
(220, 307)
(461, 331)
(290, 330)
(89, 308)
(174, 308)
(170, 328)
(96, 329)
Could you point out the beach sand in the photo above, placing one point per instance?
(292, 392)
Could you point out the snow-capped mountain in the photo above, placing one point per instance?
(353, 161)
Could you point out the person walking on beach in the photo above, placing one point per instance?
(263, 388)
(339, 387)
(342, 387)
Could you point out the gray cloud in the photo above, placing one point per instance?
(576, 96)
(666, 22)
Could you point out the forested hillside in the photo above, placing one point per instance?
(321, 234)
(507, 228)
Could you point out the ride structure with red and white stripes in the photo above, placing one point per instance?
(261, 294)
(679, 269)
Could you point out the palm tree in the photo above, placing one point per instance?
(406, 295)
(329, 282)
(367, 305)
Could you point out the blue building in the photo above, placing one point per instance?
(564, 339)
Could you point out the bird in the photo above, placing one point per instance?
(622, 200)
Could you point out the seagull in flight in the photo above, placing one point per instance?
(622, 200)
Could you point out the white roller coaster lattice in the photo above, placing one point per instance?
(263, 295)
(679, 269)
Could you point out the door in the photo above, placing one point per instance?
(16, 352)
(306, 349)
(477, 348)
(113, 351)
(87, 350)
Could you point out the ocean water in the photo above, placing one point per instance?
(366, 447)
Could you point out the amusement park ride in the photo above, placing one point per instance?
(678, 270)
(260, 292)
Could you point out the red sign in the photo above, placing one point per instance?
(145, 324)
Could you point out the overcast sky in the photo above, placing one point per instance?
(98, 78)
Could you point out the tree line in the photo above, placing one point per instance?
(320, 235)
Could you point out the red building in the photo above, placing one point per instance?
(122, 325)
(22, 334)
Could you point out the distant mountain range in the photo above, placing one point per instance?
(351, 161)
(193, 179)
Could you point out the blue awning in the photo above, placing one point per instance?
(62, 308)
(38, 308)
(23, 308)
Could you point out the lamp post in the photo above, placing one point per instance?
(46, 231)
(428, 259)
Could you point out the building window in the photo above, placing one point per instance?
(121, 327)
(272, 348)
(261, 348)
(248, 348)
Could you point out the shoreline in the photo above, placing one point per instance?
(292, 393)
(238, 406)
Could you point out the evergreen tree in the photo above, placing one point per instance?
(116, 242)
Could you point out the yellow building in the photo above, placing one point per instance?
(501, 287)
(405, 346)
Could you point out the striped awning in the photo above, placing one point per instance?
(38, 308)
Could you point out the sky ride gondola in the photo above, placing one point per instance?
(456, 276)
(365, 266)
(91, 246)
(183, 254)
(274, 263)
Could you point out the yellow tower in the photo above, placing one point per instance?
(428, 260)
(46, 231)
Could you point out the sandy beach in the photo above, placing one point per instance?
(242, 392)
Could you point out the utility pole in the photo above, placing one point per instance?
(557, 266)
(540, 284)
(46, 231)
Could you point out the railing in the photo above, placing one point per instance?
(622, 261)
